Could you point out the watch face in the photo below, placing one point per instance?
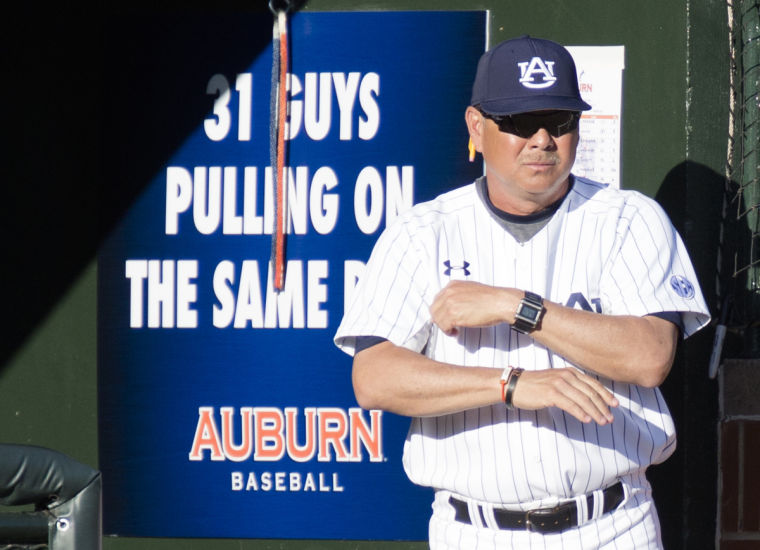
(529, 312)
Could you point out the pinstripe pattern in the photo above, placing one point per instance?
(606, 246)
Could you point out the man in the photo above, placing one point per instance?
(524, 322)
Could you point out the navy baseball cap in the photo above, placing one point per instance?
(526, 74)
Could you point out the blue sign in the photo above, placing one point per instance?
(224, 408)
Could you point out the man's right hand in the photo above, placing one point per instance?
(576, 393)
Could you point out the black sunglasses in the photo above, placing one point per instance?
(524, 125)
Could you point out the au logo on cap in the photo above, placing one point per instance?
(537, 73)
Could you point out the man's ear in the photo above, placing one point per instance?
(475, 125)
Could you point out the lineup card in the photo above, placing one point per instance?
(600, 77)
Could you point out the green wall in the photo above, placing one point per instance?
(674, 133)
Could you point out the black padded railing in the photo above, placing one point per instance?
(65, 494)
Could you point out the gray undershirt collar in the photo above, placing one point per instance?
(522, 228)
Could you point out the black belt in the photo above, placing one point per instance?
(544, 520)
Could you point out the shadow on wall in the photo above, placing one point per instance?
(685, 486)
(64, 188)
(693, 196)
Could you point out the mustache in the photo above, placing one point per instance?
(542, 158)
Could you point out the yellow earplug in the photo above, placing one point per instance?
(471, 148)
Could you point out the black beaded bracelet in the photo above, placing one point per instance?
(513, 376)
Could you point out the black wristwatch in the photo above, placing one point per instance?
(529, 313)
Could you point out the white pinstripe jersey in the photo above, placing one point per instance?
(604, 249)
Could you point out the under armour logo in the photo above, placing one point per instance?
(537, 73)
(463, 267)
(682, 286)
